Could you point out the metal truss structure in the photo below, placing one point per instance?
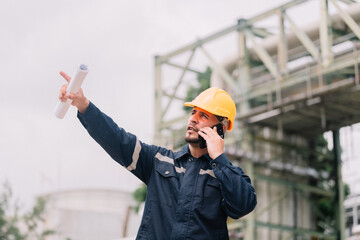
(294, 81)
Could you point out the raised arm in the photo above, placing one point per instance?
(125, 148)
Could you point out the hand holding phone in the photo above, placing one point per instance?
(220, 131)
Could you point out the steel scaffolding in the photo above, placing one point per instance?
(290, 83)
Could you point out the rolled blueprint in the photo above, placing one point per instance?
(73, 87)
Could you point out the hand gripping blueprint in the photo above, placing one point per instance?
(73, 87)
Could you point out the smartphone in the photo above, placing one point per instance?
(220, 131)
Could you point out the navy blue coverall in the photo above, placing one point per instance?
(187, 197)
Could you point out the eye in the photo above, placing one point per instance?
(204, 115)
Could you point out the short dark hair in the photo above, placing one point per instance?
(223, 120)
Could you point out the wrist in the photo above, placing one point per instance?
(82, 108)
(215, 155)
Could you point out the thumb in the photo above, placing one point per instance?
(65, 76)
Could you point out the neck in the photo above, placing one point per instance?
(196, 151)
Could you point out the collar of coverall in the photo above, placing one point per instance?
(185, 151)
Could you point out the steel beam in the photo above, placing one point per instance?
(347, 19)
(199, 43)
(273, 11)
(282, 44)
(273, 202)
(158, 100)
(178, 84)
(250, 219)
(263, 55)
(182, 67)
(304, 39)
(348, 1)
(325, 34)
(221, 70)
(300, 231)
(340, 209)
(299, 186)
(244, 70)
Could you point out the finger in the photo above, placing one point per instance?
(204, 129)
(204, 135)
(63, 88)
(214, 130)
(61, 98)
(62, 92)
(65, 76)
(71, 96)
(207, 130)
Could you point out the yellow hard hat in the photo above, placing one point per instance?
(216, 101)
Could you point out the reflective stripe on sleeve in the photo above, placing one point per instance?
(135, 156)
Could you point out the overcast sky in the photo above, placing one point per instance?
(117, 39)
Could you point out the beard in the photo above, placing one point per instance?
(189, 139)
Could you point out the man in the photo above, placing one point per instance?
(190, 193)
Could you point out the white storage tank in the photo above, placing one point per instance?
(91, 215)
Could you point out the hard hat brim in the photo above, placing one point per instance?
(189, 104)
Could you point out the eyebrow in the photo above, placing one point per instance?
(196, 110)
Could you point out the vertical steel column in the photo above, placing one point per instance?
(340, 213)
(355, 215)
(356, 64)
(282, 45)
(157, 102)
(295, 211)
(250, 219)
(325, 34)
(243, 80)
